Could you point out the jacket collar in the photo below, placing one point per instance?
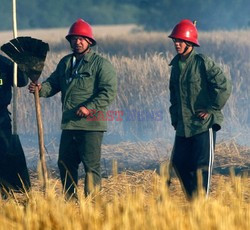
(86, 57)
(176, 59)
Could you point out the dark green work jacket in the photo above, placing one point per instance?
(92, 83)
(6, 82)
(199, 85)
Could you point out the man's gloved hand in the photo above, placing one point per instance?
(29, 53)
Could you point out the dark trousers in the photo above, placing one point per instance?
(5, 131)
(13, 168)
(193, 154)
(5, 138)
(78, 146)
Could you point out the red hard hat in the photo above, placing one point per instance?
(81, 28)
(185, 30)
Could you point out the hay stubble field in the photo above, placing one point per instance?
(134, 194)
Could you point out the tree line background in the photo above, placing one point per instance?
(151, 14)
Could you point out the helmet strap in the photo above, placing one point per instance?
(86, 50)
(186, 48)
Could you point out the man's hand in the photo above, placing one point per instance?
(32, 87)
(82, 112)
(203, 114)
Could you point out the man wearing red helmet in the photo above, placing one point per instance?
(198, 91)
(88, 85)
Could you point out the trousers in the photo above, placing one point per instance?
(79, 146)
(190, 155)
(13, 168)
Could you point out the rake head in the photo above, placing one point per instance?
(29, 53)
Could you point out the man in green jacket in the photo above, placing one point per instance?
(198, 91)
(88, 84)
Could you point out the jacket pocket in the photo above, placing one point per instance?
(195, 83)
(202, 122)
(85, 80)
(85, 74)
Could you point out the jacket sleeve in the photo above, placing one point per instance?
(106, 88)
(173, 103)
(219, 86)
(51, 85)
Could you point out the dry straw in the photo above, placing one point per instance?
(141, 200)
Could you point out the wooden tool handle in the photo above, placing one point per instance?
(41, 137)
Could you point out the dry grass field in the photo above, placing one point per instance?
(134, 194)
(131, 200)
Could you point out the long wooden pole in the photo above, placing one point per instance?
(41, 139)
(14, 101)
(38, 110)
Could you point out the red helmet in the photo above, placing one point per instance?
(81, 28)
(185, 30)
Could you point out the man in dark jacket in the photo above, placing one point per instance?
(198, 91)
(6, 83)
(88, 85)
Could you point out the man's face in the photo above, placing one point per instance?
(79, 44)
(180, 45)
